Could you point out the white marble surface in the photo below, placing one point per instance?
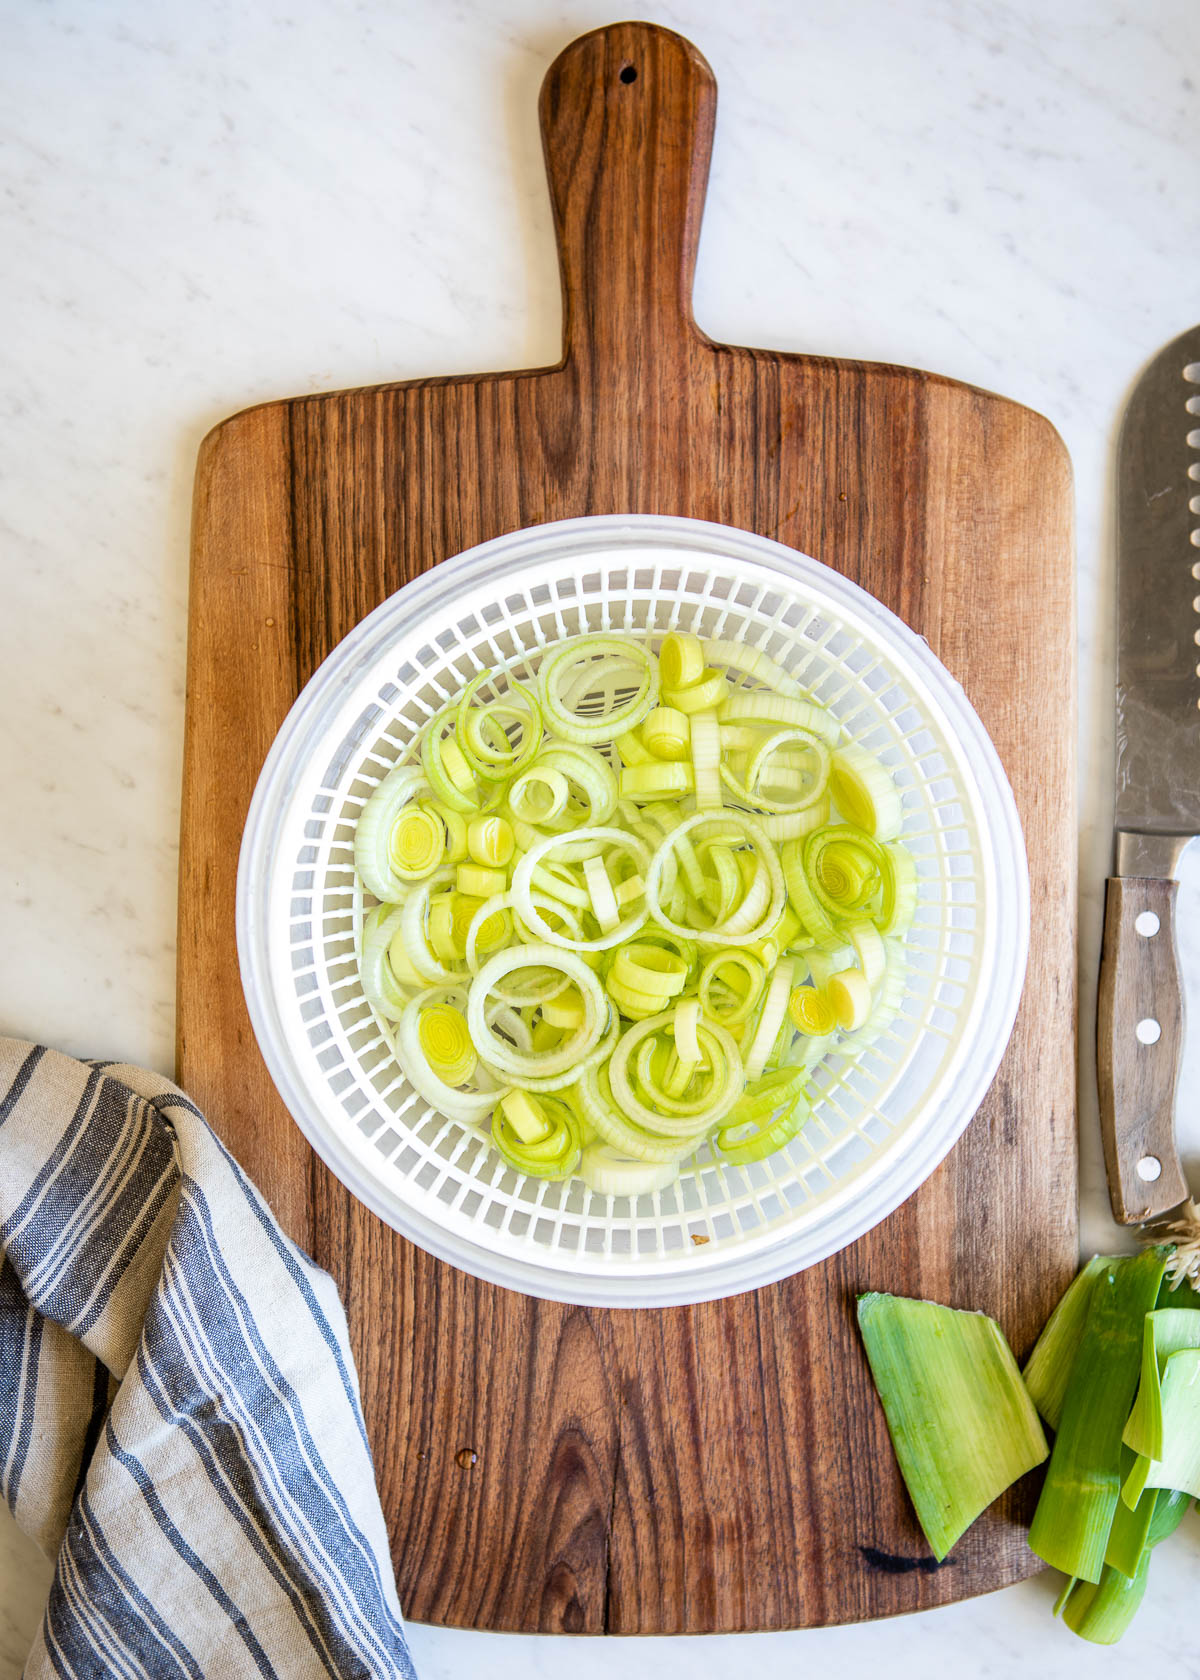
(206, 205)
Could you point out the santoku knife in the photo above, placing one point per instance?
(1140, 1016)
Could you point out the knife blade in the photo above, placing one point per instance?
(1157, 804)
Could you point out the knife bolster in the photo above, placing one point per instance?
(1139, 1039)
(1148, 855)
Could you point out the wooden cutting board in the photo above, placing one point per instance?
(723, 1466)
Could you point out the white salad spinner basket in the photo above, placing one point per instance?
(881, 1121)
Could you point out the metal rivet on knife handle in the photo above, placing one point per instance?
(1138, 1067)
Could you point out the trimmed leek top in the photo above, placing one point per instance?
(628, 894)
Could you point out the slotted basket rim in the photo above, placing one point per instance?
(327, 707)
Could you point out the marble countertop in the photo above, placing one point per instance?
(210, 205)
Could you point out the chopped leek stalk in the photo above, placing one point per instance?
(1048, 1368)
(961, 1421)
(600, 877)
(1071, 1525)
(1101, 1613)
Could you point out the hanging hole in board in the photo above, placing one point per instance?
(1147, 924)
(628, 73)
(1149, 1168)
(1148, 1031)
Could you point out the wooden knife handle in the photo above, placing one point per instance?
(1139, 1039)
(627, 117)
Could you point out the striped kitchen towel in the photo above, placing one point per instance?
(179, 1414)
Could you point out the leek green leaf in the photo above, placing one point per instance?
(1048, 1368)
(961, 1421)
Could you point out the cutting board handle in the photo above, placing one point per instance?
(627, 123)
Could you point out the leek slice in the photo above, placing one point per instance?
(539, 795)
(705, 745)
(490, 841)
(961, 1421)
(470, 1107)
(864, 792)
(765, 1117)
(850, 996)
(553, 1147)
(1071, 1525)
(608, 1172)
(443, 1036)
(372, 835)
(384, 989)
(704, 695)
(770, 1019)
(602, 657)
(666, 734)
(752, 705)
(752, 662)
(656, 780)
(681, 660)
(812, 1013)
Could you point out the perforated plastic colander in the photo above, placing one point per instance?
(881, 1121)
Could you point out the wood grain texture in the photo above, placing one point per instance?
(1139, 981)
(722, 1466)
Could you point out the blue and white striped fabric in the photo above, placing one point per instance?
(179, 1416)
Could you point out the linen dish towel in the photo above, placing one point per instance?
(179, 1412)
